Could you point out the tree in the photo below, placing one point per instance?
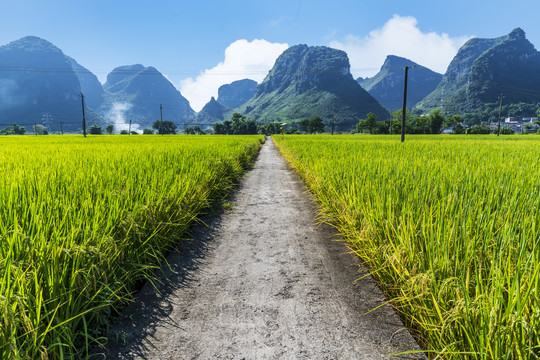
(40, 130)
(95, 130)
(242, 126)
(19, 130)
(505, 130)
(479, 129)
(164, 127)
(197, 129)
(219, 129)
(304, 125)
(419, 125)
(239, 126)
(458, 129)
(383, 127)
(436, 120)
(13, 130)
(223, 128)
(316, 125)
(271, 128)
(148, 132)
(252, 127)
(361, 126)
(452, 121)
(110, 129)
(124, 132)
(397, 118)
(369, 124)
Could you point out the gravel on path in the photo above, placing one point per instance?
(262, 281)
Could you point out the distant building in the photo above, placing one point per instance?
(514, 125)
(493, 126)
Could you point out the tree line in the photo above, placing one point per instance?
(432, 123)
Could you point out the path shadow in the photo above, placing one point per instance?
(153, 304)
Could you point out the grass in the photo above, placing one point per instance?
(450, 227)
(85, 221)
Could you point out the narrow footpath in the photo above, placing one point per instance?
(262, 281)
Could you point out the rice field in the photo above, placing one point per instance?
(450, 227)
(84, 221)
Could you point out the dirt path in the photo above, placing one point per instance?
(263, 282)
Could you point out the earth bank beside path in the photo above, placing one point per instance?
(263, 281)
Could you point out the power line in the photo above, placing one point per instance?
(125, 72)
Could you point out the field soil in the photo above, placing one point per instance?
(261, 281)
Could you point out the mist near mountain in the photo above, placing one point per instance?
(137, 93)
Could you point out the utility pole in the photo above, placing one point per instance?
(83, 118)
(161, 117)
(406, 68)
(332, 126)
(500, 110)
(129, 127)
(35, 129)
(61, 128)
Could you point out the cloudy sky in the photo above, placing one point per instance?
(200, 45)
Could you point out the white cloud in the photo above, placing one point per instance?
(243, 59)
(399, 36)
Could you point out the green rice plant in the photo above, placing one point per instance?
(449, 226)
(84, 221)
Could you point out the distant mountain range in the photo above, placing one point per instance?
(237, 93)
(308, 81)
(387, 85)
(90, 85)
(136, 92)
(482, 70)
(230, 96)
(39, 84)
(211, 113)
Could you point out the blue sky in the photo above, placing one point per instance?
(187, 40)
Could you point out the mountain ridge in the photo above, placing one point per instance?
(139, 92)
(212, 112)
(237, 93)
(387, 85)
(482, 70)
(308, 81)
(39, 85)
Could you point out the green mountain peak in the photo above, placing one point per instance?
(308, 81)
